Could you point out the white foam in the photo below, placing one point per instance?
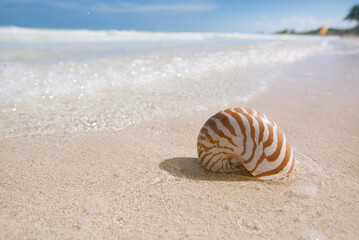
(72, 80)
(58, 80)
(14, 33)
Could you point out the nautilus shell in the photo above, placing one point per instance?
(242, 136)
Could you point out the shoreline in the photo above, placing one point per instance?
(145, 182)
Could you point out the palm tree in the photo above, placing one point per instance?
(353, 14)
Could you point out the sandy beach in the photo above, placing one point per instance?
(145, 182)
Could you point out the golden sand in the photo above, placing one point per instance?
(146, 183)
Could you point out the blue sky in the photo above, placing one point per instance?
(177, 15)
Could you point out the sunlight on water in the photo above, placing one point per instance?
(79, 80)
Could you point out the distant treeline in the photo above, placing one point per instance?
(331, 31)
(353, 15)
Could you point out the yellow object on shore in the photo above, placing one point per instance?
(324, 29)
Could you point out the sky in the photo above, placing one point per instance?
(249, 16)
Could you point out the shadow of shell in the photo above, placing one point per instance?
(190, 168)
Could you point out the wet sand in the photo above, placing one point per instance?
(146, 183)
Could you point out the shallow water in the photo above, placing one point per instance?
(55, 81)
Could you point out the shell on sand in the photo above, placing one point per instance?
(243, 136)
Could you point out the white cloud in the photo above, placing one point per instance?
(311, 23)
(264, 16)
(18, 1)
(121, 6)
(62, 4)
(339, 22)
(301, 23)
(134, 7)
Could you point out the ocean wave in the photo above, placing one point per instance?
(56, 81)
(13, 33)
(22, 82)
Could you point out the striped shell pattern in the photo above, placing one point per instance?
(242, 136)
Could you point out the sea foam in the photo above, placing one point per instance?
(84, 35)
(81, 80)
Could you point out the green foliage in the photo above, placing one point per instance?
(286, 31)
(353, 14)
